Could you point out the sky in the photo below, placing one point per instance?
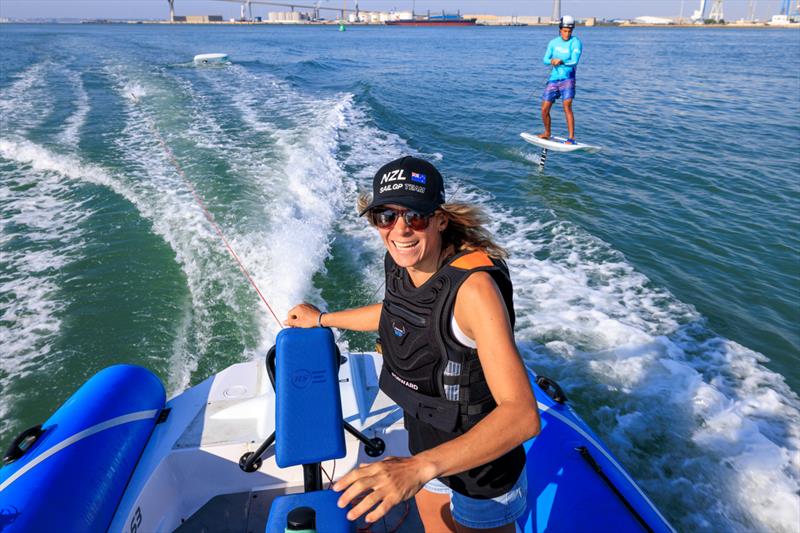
(158, 9)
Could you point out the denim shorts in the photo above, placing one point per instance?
(485, 514)
(564, 89)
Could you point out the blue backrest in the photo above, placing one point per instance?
(308, 408)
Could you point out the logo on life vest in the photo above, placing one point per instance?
(400, 330)
(404, 382)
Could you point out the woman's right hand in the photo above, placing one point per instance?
(303, 316)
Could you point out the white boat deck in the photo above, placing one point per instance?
(189, 476)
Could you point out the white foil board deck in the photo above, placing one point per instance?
(204, 59)
(556, 144)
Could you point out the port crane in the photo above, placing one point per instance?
(716, 13)
(699, 14)
(751, 10)
(786, 7)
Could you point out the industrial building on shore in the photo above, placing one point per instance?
(302, 14)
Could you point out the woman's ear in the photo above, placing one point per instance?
(443, 220)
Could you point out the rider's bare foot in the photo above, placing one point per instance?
(545, 135)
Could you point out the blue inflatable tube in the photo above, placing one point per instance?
(74, 474)
(574, 481)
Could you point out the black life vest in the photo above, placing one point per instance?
(432, 376)
(437, 381)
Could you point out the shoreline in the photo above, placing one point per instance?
(732, 25)
(486, 22)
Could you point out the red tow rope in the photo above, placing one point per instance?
(208, 214)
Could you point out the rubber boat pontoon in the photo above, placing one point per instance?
(232, 455)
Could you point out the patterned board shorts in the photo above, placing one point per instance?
(554, 90)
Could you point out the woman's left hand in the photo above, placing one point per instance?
(384, 484)
(303, 316)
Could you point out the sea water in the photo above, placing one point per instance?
(657, 281)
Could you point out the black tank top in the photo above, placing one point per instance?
(437, 381)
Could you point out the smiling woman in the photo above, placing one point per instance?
(450, 360)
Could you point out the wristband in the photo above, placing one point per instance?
(319, 319)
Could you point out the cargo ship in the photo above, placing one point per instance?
(434, 20)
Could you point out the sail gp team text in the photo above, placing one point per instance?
(406, 186)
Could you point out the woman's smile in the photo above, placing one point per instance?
(405, 246)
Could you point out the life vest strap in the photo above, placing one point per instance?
(480, 408)
(464, 378)
(437, 412)
(472, 260)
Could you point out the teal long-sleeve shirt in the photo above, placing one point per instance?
(567, 51)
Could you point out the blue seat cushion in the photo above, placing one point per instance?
(329, 518)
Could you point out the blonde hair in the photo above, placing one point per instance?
(465, 227)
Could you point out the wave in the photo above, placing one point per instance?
(40, 234)
(26, 103)
(70, 134)
(706, 428)
(283, 243)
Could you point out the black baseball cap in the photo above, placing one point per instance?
(409, 181)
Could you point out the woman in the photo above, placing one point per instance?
(450, 361)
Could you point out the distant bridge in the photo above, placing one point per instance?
(292, 6)
(316, 8)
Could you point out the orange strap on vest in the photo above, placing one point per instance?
(472, 260)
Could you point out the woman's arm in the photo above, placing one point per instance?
(359, 319)
(482, 315)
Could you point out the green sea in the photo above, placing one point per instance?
(657, 281)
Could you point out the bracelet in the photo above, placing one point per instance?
(319, 319)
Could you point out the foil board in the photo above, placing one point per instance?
(557, 144)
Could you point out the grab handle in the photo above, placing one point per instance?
(22, 444)
(552, 389)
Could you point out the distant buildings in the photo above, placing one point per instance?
(198, 19)
(661, 21)
(287, 17)
(307, 14)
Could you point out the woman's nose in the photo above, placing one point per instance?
(401, 226)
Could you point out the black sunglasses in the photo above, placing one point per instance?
(386, 218)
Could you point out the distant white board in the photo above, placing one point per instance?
(556, 144)
(205, 59)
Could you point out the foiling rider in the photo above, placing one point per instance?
(449, 360)
(563, 54)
